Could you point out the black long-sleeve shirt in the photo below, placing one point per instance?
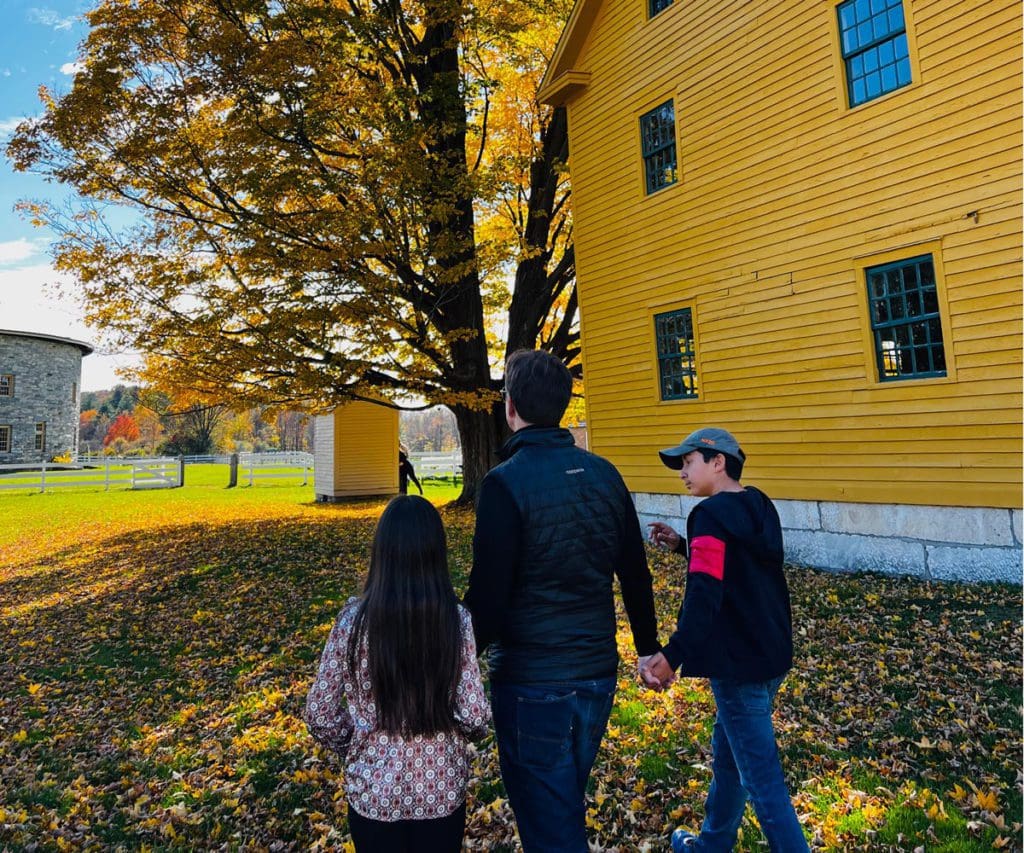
(735, 619)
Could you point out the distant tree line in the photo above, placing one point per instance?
(129, 420)
(432, 430)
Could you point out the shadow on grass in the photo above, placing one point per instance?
(154, 682)
(175, 657)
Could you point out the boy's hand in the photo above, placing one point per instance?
(643, 669)
(656, 672)
(663, 535)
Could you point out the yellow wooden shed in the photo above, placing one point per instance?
(356, 452)
(801, 220)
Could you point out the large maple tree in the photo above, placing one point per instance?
(333, 200)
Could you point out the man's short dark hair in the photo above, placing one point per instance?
(733, 466)
(539, 384)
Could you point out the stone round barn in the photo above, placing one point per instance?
(40, 383)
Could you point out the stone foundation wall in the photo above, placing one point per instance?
(936, 542)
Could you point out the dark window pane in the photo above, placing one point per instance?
(908, 329)
(922, 360)
(657, 137)
(676, 364)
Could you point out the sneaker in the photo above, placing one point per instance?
(683, 840)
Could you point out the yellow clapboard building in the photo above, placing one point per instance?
(355, 452)
(800, 220)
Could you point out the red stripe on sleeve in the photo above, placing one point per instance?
(707, 554)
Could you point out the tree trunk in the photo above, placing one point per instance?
(481, 434)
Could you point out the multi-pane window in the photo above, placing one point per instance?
(5, 439)
(41, 435)
(655, 6)
(658, 143)
(677, 365)
(874, 44)
(904, 305)
(6, 384)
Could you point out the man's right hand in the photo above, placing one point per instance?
(656, 672)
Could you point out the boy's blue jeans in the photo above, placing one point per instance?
(548, 735)
(746, 764)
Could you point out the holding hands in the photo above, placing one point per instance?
(655, 672)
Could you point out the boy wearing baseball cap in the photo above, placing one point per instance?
(734, 628)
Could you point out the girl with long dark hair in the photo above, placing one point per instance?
(398, 691)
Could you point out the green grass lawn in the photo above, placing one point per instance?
(156, 648)
(91, 507)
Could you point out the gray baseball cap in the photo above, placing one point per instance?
(709, 438)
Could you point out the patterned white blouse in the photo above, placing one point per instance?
(388, 777)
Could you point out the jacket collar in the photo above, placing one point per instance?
(535, 436)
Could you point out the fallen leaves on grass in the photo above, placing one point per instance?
(154, 680)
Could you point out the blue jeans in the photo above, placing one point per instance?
(548, 735)
(746, 764)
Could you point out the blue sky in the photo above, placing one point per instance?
(38, 46)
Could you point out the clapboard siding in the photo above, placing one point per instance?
(784, 194)
(360, 447)
(323, 455)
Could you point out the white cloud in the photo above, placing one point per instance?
(16, 251)
(36, 298)
(49, 18)
(71, 68)
(8, 125)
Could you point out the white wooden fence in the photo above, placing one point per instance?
(158, 473)
(167, 472)
(437, 464)
(275, 466)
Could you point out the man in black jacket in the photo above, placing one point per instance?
(555, 525)
(734, 628)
